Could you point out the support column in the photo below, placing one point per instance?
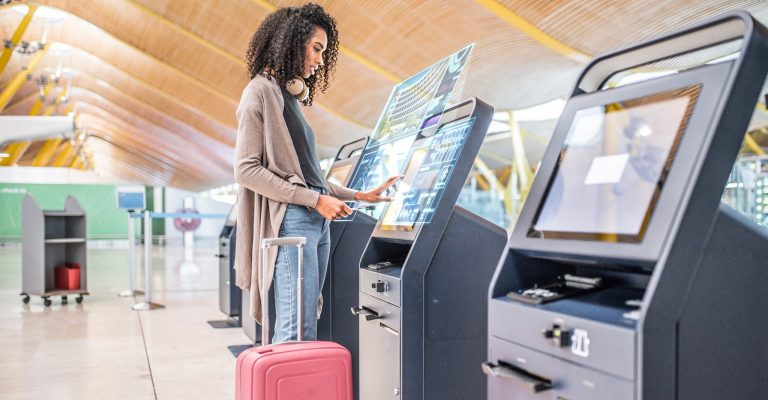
(16, 38)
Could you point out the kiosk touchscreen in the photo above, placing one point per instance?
(623, 278)
(425, 272)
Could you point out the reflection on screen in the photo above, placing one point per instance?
(612, 168)
(338, 174)
(426, 174)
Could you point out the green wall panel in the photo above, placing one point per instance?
(105, 220)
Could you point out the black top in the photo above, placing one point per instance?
(303, 139)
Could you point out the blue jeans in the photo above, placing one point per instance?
(300, 221)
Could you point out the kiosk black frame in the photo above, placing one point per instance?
(685, 325)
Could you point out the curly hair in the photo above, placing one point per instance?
(279, 46)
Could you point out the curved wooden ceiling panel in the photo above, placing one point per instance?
(160, 79)
(151, 70)
(220, 159)
(161, 167)
(139, 30)
(85, 87)
(189, 164)
(506, 65)
(597, 26)
(227, 24)
(182, 159)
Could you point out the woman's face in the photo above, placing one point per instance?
(314, 54)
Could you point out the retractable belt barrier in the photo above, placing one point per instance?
(147, 304)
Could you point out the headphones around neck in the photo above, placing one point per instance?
(298, 88)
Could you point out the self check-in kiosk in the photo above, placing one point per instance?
(336, 280)
(229, 293)
(348, 240)
(425, 272)
(624, 277)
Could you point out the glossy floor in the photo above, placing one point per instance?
(100, 349)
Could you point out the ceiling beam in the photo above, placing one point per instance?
(239, 61)
(15, 84)
(86, 68)
(184, 31)
(17, 35)
(175, 136)
(233, 58)
(533, 31)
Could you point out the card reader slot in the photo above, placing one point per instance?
(363, 310)
(504, 370)
(388, 329)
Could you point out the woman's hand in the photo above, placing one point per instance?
(331, 207)
(374, 195)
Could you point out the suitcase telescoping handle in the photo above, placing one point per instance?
(265, 245)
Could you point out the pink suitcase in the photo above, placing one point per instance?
(296, 370)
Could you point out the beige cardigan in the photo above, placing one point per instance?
(268, 172)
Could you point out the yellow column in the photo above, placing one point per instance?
(524, 172)
(76, 163)
(64, 155)
(751, 144)
(17, 35)
(20, 78)
(490, 176)
(46, 152)
(532, 31)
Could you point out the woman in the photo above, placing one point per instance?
(282, 190)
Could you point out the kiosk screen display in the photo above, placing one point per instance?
(612, 168)
(427, 172)
(420, 96)
(338, 174)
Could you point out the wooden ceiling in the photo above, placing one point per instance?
(157, 81)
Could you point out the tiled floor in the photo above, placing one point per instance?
(100, 349)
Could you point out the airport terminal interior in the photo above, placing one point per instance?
(581, 211)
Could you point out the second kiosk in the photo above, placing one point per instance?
(425, 272)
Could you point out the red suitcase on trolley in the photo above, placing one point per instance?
(294, 370)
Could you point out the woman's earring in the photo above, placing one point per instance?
(298, 88)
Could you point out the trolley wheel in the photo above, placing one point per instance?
(79, 299)
(47, 301)
(63, 300)
(25, 299)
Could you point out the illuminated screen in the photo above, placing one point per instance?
(418, 97)
(612, 168)
(425, 176)
(392, 218)
(337, 175)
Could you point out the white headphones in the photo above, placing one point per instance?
(298, 88)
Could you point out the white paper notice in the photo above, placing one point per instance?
(606, 169)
